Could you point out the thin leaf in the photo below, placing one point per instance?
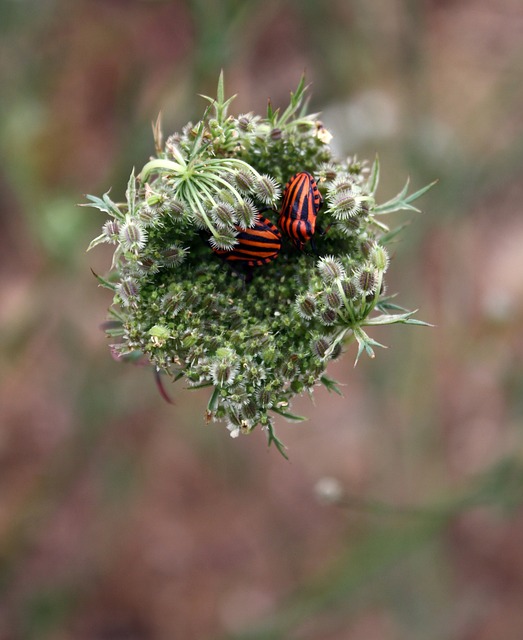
(199, 134)
(103, 282)
(330, 384)
(288, 415)
(295, 101)
(387, 318)
(158, 135)
(130, 194)
(98, 240)
(401, 202)
(366, 343)
(420, 323)
(272, 438)
(106, 205)
(213, 401)
(271, 113)
(400, 318)
(417, 194)
(112, 207)
(179, 375)
(133, 356)
(220, 91)
(393, 233)
(374, 177)
(384, 305)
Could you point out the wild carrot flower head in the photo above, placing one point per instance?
(209, 291)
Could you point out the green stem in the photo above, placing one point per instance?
(192, 199)
(346, 302)
(216, 178)
(161, 165)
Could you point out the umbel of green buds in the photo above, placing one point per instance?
(187, 300)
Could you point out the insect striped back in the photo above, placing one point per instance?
(301, 203)
(256, 246)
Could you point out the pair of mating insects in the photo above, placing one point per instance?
(297, 219)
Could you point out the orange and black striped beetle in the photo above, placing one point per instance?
(256, 246)
(301, 203)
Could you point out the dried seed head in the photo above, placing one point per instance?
(366, 280)
(225, 240)
(225, 368)
(171, 304)
(111, 229)
(198, 219)
(349, 289)
(128, 290)
(149, 216)
(264, 397)
(332, 298)
(148, 265)
(341, 182)
(327, 172)
(246, 122)
(319, 347)
(328, 316)
(223, 372)
(336, 352)
(249, 410)
(133, 236)
(223, 215)
(267, 189)
(175, 208)
(246, 213)
(306, 306)
(245, 180)
(366, 248)
(345, 204)
(330, 268)
(174, 255)
(349, 226)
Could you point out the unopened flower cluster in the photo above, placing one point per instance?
(255, 336)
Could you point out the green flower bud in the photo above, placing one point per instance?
(379, 257)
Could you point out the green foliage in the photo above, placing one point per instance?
(257, 342)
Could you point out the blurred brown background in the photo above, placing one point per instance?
(124, 518)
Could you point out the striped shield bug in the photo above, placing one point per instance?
(256, 246)
(301, 203)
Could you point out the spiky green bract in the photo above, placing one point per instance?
(258, 340)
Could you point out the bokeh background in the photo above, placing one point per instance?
(124, 518)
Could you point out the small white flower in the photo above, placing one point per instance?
(234, 431)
